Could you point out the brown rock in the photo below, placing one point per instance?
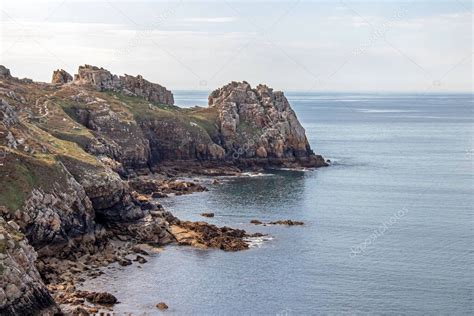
(162, 306)
(216, 151)
(261, 152)
(61, 76)
(104, 298)
(204, 235)
(256, 222)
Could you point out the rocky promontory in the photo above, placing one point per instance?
(258, 123)
(83, 159)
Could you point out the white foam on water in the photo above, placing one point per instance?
(257, 242)
(255, 174)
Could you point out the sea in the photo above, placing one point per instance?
(388, 225)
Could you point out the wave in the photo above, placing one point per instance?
(255, 174)
(257, 242)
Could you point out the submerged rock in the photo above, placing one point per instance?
(207, 214)
(287, 222)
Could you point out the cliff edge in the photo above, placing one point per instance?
(71, 152)
(260, 123)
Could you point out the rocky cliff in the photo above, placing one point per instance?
(68, 149)
(102, 80)
(22, 291)
(135, 123)
(258, 123)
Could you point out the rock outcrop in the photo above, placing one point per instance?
(258, 122)
(4, 72)
(102, 80)
(22, 292)
(61, 76)
(203, 235)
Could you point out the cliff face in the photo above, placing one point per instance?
(258, 122)
(66, 149)
(134, 123)
(22, 292)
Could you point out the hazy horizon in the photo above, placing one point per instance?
(320, 46)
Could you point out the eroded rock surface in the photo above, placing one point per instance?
(204, 235)
(61, 76)
(258, 123)
(22, 291)
(103, 80)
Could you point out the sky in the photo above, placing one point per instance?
(297, 45)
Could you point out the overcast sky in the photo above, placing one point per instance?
(289, 45)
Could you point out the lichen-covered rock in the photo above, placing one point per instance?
(260, 121)
(102, 80)
(22, 292)
(61, 76)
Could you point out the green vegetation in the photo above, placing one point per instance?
(205, 118)
(16, 183)
(141, 108)
(3, 243)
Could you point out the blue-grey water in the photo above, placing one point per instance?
(388, 227)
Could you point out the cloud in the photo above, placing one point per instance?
(181, 48)
(222, 19)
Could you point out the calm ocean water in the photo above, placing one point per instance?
(389, 226)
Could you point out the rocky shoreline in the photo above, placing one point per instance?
(85, 159)
(63, 277)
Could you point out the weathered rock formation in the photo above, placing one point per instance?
(22, 292)
(4, 72)
(204, 235)
(258, 122)
(61, 76)
(102, 80)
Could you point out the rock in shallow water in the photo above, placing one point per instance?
(207, 214)
(162, 306)
(287, 222)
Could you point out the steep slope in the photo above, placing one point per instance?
(259, 123)
(67, 150)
